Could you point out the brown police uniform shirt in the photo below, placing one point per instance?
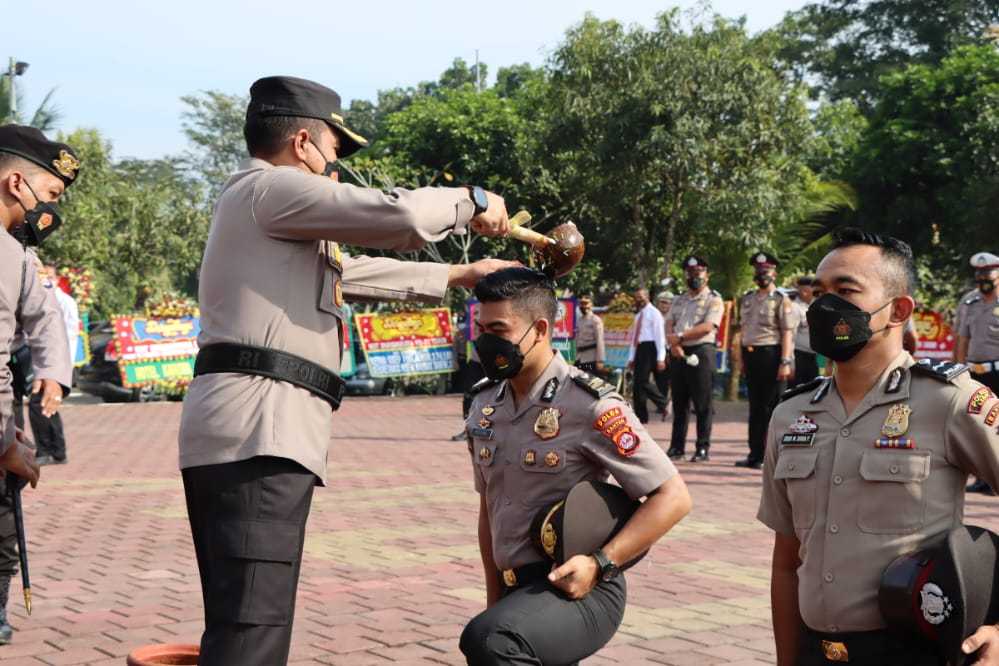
(273, 276)
(24, 301)
(524, 460)
(45, 338)
(962, 308)
(764, 316)
(802, 340)
(980, 324)
(858, 491)
(590, 339)
(690, 310)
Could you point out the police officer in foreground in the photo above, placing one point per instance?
(691, 329)
(765, 339)
(867, 465)
(257, 419)
(806, 366)
(537, 429)
(34, 173)
(590, 353)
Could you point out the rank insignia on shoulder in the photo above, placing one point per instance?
(595, 386)
(976, 403)
(802, 388)
(548, 394)
(895, 443)
(944, 371)
(482, 385)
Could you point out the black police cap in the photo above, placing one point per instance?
(942, 593)
(763, 260)
(291, 96)
(693, 261)
(591, 515)
(29, 143)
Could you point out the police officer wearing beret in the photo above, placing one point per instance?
(691, 328)
(867, 465)
(765, 323)
(258, 416)
(537, 428)
(34, 173)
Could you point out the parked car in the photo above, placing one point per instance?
(102, 377)
(362, 383)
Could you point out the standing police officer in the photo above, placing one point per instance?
(691, 329)
(766, 324)
(535, 431)
(257, 419)
(34, 172)
(867, 465)
(590, 353)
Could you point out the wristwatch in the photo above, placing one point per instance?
(479, 198)
(787, 361)
(608, 570)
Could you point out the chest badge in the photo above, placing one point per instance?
(803, 425)
(485, 423)
(530, 457)
(485, 454)
(897, 422)
(488, 410)
(552, 459)
(546, 427)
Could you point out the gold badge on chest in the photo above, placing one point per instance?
(488, 410)
(897, 422)
(546, 427)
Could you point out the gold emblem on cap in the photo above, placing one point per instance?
(552, 459)
(548, 539)
(66, 164)
(897, 422)
(485, 453)
(530, 457)
(546, 427)
(488, 410)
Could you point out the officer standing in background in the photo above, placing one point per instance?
(691, 330)
(535, 431)
(34, 172)
(806, 366)
(978, 335)
(258, 415)
(867, 465)
(766, 323)
(590, 353)
(647, 356)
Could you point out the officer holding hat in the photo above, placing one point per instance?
(258, 416)
(691, 329)
(34, 172)
(537, 430)
(867, 465)
(765, 322)
(590, 352)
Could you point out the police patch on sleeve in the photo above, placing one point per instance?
(978, 399)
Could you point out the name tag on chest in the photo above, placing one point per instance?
(482, 433)
(797, 439)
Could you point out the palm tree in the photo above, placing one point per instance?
(45, 117)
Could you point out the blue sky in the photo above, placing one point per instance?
(122, 66)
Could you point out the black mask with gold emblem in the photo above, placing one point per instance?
(39, 221)
(839, 329)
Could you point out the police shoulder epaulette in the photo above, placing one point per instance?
(481, 385)
(595, 386)
(973, 299)
(716, 293)
(801, 388)
(944, 371)
(749, 293)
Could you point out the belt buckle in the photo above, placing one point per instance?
(835, 651)
(750, 349)
(509, 578)
(979, 368)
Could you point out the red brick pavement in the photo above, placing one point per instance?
(391, 570)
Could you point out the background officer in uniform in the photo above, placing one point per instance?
(766, 323)
(867, 465)
(273, 284)
(691, 329)
(806, 367)
(34, 172)
(590, 353)
(540, 428)
(647, 356)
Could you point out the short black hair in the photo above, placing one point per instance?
(899, 272)
(530, 289)
(12, 161)
(266, 135)
(805, 281)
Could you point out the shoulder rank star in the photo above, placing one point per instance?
(897, 422)
(546, 427)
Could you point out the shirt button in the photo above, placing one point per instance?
(837, 479)
(828, 577)
(893, 469)
(845, 432)
(834, 528)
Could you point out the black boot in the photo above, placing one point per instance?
(6, 631)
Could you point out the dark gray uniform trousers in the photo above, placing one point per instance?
(537, 625)
(692, 383)
(764, 390)
(8, 534)
(248, 524)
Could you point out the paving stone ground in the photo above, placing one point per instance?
(391, 570)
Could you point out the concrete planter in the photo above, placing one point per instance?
(161, 655)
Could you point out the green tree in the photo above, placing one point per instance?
(213, 124)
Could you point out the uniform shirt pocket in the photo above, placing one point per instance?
(543, 485)
(797, 470)
(892, 500)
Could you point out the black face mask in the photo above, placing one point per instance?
(329, 169)
(986, 286)
(39, 222)
(839, 329)
(763, 280)
(695, 283)
(501, 358)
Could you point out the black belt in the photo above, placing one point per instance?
(863, 645)
(585, 348)
(756, 348)
(525, 575)
(285, 367)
